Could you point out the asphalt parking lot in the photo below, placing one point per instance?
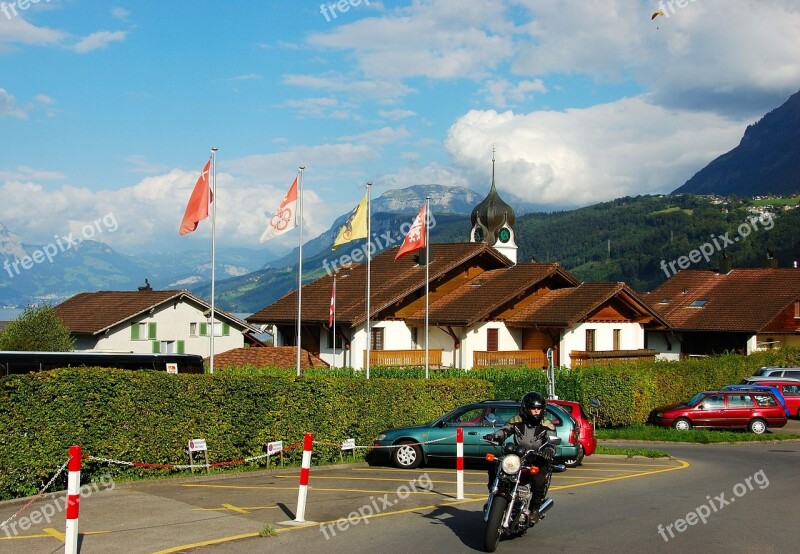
(179, 515)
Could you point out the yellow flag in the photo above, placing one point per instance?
(355, 227)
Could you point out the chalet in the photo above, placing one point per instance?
(484, 308)
(736, 310)
(167, 321)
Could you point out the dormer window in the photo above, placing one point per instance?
(699, 303)
(664, 301)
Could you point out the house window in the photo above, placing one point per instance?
(377, 339)
(491, 340)
(414, 341)
(193, 329)
(590, 340)
(699, 303)
(167, 347)
(331, 340)
(143, 331)
(617, 342)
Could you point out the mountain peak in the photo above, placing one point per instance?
(766, 161)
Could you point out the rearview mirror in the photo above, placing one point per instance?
(491, 418)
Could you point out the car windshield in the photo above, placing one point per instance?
(696, 399)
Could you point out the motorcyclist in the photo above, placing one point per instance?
(530, 423)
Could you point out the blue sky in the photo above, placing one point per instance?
(113, 107)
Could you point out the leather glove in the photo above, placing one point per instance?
(490, 437)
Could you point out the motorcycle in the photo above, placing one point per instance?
(507, 510)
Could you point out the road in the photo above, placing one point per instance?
(746, 494)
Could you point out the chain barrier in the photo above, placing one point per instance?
(321, 443)
(38, 495)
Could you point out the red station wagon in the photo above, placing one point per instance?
(586, 438)
(755, 411)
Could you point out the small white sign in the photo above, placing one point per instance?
(274, 447)
(172, 368)
(349, 444)
(197, 445)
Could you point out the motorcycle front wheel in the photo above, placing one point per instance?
(492, 534)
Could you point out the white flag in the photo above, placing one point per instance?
(285, 219)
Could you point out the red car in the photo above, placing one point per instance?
(790, 389)
(755, 411)
(586, 439)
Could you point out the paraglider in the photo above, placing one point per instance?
(656, 14)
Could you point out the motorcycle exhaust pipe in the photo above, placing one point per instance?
(546, 505)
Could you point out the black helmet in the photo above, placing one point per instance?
(532, 400)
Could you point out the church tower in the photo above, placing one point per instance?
(493, 223)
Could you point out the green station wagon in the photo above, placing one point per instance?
(410, 447)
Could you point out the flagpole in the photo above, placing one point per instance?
(300, 265)
(369, 265)
(333, 329)
(427, 274)
(213, 200)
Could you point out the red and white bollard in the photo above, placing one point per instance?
(303, 492)
(73, 500)
(460, 463)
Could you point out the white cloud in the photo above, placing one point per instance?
(396, 114)
(120, 13)
(17, 30)
(8, 106)
(582, 156)
(381, 90)
(98, 40)
(140, 164)
(501, 93)
(24, 173)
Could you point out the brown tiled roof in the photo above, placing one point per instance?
(278, 356)
(744, 300)
(93, 312)
(486, 293)
(390, 282)
(565, 307)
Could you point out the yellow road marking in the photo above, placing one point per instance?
(53, 533)
(683, 465)
(20, 537)
(236, 509)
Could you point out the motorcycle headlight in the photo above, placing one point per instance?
(511, 464)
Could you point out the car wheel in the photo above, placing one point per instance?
(578, 460)
(407, 455)
(757, 426)
(682, 424)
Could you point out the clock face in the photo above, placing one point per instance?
(479, 234)
(504, 235)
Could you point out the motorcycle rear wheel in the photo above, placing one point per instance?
(492, 534)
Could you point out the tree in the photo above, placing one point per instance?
(37, 328)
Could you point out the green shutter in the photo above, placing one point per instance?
(181, 347)
(226, 329)
(151, 331)
(203, 329)
(134, 331)
(156, 347)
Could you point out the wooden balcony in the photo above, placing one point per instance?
(403, 358)
(509, 358)
(582, 358)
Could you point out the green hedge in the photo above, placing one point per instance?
(150, 417)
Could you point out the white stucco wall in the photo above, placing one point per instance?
(631, 338)
(475, 339)
(172, 324)
(660, 342)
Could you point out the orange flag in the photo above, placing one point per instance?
(197, 209)
(415, 239)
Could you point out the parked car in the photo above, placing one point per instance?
(789, 388)
(762, 388)
(755, 411)
(410, 447)
(793, 372)
(587, 443)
